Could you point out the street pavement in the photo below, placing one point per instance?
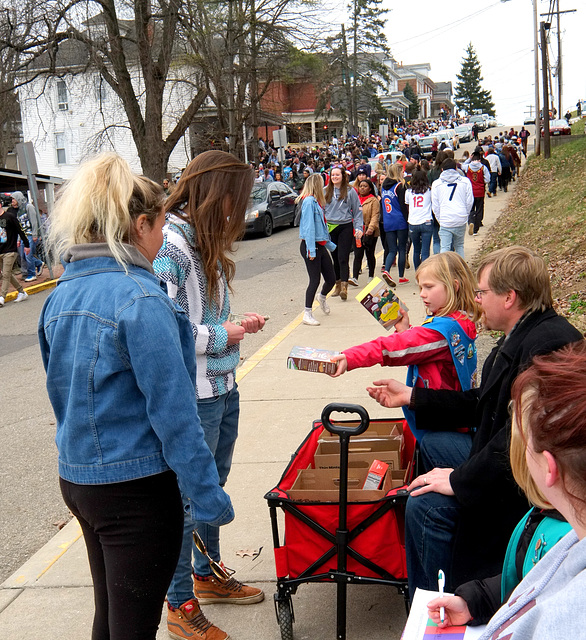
(278, 406)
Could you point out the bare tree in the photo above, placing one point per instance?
(131, 45)
(240, 47)
(9, 108)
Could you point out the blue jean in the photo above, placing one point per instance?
(436, 239)
(396, 242)
(32, 262)
(492, 183)
(430, 519)
(452, 239)
(219, 420)
(421, 238)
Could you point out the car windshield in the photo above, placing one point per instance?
(558, 123)
(259, 194)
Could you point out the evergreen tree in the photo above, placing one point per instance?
(412, 97)
(469, 95)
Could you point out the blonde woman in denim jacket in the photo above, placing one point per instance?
(315, 243)
(120, 362)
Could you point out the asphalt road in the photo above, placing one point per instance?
(270, 279)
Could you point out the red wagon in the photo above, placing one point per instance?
(342, 540)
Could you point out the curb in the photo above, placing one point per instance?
(44, 558)
(35, 288)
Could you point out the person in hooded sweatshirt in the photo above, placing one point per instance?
(479, 176)
(31, 223)
(452, 200)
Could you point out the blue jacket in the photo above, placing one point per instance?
(312, 226)
(120, 363)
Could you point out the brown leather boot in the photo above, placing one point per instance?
(337, 289)
(344, 291)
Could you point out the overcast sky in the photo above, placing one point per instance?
(502, 35)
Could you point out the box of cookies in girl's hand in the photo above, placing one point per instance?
(313, 360)
(383, 304)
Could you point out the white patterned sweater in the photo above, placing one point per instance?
(179, 264)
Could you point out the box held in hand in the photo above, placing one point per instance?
(313, 360)
(381, 302)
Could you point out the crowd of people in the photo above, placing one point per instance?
(411, 204)
(142, 379)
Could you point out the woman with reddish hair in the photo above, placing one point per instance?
(548, 459)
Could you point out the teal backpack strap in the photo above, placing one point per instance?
(509, 579)
(548, 532)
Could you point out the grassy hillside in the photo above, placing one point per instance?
(548, 213)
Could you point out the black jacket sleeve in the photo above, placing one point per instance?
(483, 598)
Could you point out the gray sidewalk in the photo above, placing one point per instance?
(277, 409)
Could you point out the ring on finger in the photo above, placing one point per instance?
(425, 480)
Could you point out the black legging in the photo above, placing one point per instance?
(342, 236)
(320, 265)
(368, 247)
(133, 532)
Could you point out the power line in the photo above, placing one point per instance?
(445, 27)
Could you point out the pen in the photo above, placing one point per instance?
(441, 581)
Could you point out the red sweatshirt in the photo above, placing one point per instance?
(422, 346)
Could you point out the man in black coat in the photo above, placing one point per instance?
(464, 507)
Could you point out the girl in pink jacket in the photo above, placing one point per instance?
(441, 353)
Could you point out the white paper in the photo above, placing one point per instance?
(418, 618)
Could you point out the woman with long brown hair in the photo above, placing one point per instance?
(344, 218)
(206, 217)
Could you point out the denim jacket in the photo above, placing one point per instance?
(312, 226)
(120, 363)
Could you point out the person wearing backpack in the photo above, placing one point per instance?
(479, 176)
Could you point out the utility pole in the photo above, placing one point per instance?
(544, 26)
(560, 83)
(536, 57)
(559, 64)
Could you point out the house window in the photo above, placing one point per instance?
(101, 89)
(60, 148)
(62, 100)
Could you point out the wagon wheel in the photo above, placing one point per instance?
(285, 617)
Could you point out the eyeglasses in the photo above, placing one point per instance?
(478, 293)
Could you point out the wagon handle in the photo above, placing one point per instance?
(340, 429)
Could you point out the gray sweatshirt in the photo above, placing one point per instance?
(348, 210)
(549, 603)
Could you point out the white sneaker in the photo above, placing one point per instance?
(1, 301)
(309, 319)
(23, 295)
(353, 281)
(323, 303)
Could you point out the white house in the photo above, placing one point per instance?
(73, 115)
